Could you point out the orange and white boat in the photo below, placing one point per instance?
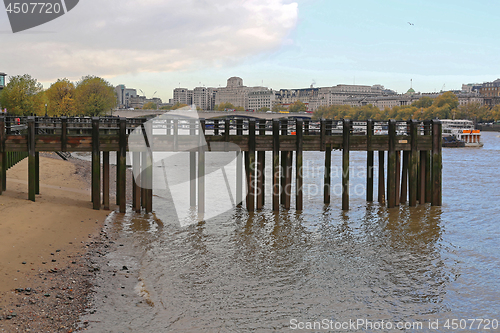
(463, 130)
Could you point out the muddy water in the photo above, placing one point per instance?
(273, 272)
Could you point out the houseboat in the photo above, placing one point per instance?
(462, 130)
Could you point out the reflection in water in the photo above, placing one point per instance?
(256, 271)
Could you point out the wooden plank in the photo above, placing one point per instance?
(136, 168)
(239, 166)
(64, 134)
(346, 135)
(96, 165)
(428, 158)
(261, 156)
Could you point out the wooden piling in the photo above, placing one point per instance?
(31, 159)
(391, 166)
(346, 134)
(436, 163)
(299, 166)
(284, 163)
(261, 163)
(421, 177)
(192, 167)
(398, 177)
(381, 177)
(3, 155)
(250, 164)
(105, 180)
(136, 189)
(37, 172)
(288, 179)
(239, 166)
(96, 165)
(404, 178)
(369, 160)
(64, 134)
(276, 165)
(201, 169)
(122, 157)
(413, 164)
(327, 182)
(428, 178)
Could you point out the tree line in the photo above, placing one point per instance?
(90, 96)
(445, 106)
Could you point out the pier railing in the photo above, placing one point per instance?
(411, 174)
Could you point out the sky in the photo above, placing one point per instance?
(159, 45)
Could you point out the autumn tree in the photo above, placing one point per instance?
(23, 96)
(279, 107)
(150, 106)
(264, 109)
(94, 96)
(224, 106)
(178, 106)
(61, 98)
(297, 106)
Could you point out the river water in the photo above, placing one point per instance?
(278, 272)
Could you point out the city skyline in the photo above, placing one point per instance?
(162, 45)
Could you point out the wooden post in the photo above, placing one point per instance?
(216, 126)
(288, 179)
(64, 134)
(428, 179)
(136, 166)
(192, 167)
(421, 177)
(239, 166)
(327, 183)
(346, 134)
(369, 161)
(276, 165)
(381, 176)
(284, 161)
(391, 166)
(298, 166)
(261, 160)
(306, 127)
(398, 177)
(413, 165)
(105, 180)
(201, 170)
(251, 166)
(3, 157)
(96, 165)
(31, 159)
(436, 163)
(37, 172)
(122, 157)
(404, 177)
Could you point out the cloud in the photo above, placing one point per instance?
(109, 38)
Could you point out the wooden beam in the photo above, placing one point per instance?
(122, 157)
(3, 155)
(391, 166)
(369, 161)
(436, 163)
(299, 166)
(413, 165)
(276, 165)
(105, 180)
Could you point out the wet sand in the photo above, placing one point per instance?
(45, 246)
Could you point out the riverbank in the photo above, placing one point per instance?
(45, 272)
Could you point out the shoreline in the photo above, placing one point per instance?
(46, 268)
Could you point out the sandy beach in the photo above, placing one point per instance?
(45, 275)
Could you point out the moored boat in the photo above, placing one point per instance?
(463, 130)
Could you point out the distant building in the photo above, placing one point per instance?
(235, 93)
(2, 80)
(490, 91)
(261, 99)
(124, 95)
(183, 96)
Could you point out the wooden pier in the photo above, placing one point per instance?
(412, 174)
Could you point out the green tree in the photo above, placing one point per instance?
(166, 107)
(61, 98)
(298, 106)
(23, 96)
(150, 106)
(423, 102)
(94, 96)
(264, 109)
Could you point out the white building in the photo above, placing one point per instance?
(259, 99)
(183, 96)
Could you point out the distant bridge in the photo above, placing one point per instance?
(217, 114)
